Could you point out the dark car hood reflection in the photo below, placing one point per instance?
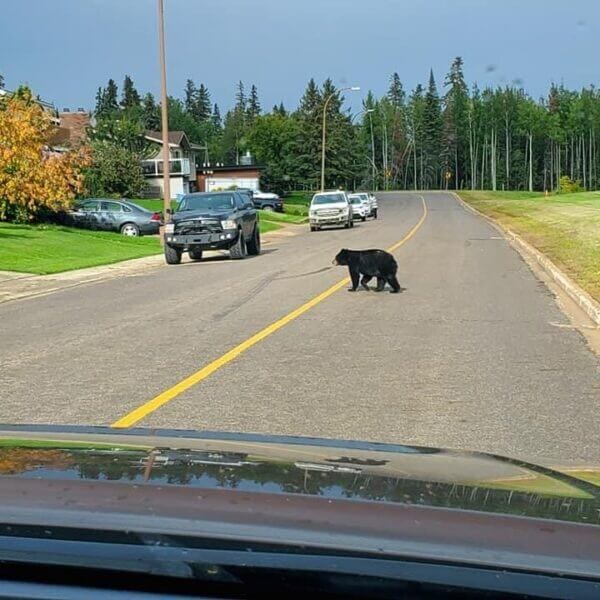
(330, 469)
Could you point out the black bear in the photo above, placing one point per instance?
(369, 264)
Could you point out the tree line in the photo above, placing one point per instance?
(452, 136)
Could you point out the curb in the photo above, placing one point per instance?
(581, 297)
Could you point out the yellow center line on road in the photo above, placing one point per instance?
(149, 407)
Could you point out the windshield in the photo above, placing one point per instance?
(329, 199)
(206, 202)
(452, 304)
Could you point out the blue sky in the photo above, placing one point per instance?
(65, 49)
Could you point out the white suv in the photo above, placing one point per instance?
(330, 208)
(372, 202)
(361, 206)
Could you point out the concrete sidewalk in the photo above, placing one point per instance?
(16, 286)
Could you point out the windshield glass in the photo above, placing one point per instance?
(207, 202)
(452, 304)
(329, 199)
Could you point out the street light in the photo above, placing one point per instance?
(354, 88)
(164, 115)
(362, 112)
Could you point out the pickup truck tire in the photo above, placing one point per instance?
(314, 228)
(375, 214)
(253, 246)
(172, 255)
(363, 219)
(268, 208)
(195, 253)
(238, 250)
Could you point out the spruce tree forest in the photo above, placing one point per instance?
(444, 134)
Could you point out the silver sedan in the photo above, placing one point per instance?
(115, 215)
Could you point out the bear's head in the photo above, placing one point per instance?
(342, 257)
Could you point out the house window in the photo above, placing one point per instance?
(176, 154)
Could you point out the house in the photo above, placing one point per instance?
(46, 106)
(218, 176)
(72, 129)
(182, 164)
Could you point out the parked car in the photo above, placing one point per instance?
(267, 201)
(115, 215)
(330, 208)
(361, 208)
(212, 221)
(371, 200)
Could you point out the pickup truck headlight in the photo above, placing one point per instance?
(228, 224)
(170, 228)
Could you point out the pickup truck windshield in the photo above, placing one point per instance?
(329, 199)
(207, 202)
(355, 200)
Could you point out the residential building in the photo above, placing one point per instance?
(72, 129)
(182, 164)
(219, 176)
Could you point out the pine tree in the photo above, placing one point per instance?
(100, 102)
(130, 97)
(111, 97)
(455, 124)
(240, 98)
(202, 105)
(191, 94)
(150, 113)
(432, 135)
(254, 109)
(1, 81)
(216, 117)
(396, 94)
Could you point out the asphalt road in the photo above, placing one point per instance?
(474, 354)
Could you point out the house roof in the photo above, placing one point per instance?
(175, 137)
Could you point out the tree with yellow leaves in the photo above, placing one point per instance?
(32, 179)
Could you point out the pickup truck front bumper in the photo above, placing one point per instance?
(206, 240)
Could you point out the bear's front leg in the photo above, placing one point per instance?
(355, 276)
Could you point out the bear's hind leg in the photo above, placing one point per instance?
(365, 280)
(393, 281)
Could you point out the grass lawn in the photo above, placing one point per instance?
(153, 204)
(266, 226)
(296, 214)
(565, 227)
(285, 217)
(44, 249)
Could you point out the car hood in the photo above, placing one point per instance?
(332, 469)
(190, 215)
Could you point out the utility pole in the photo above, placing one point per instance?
(350, 89)
(164, 115)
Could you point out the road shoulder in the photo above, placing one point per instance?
(581, 309)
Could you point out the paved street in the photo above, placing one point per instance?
(471, 355)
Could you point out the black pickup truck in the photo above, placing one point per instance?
(212, 221)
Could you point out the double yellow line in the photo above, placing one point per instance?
(149, 407)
